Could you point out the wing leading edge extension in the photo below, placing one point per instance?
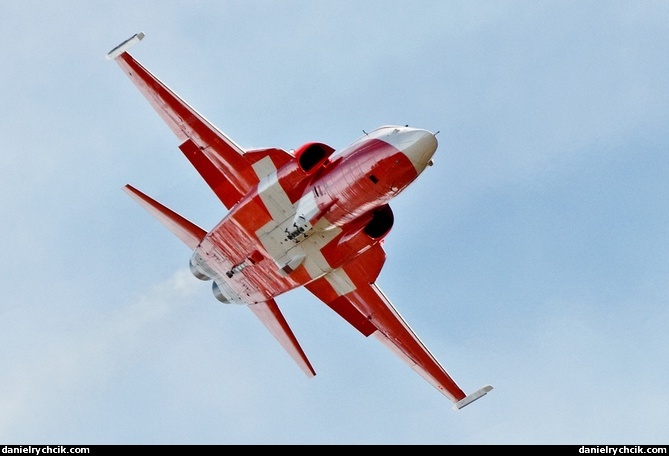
(366, 307)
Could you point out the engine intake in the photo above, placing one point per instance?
(312, 155)
(381, 223)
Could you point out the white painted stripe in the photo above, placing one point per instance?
(272, 195)
(272, 235)
(316, 264)
(340, 281)
(264, 167)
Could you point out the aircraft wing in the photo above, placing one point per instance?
(224, 165)
(352, 293)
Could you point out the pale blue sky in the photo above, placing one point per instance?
(533, 256)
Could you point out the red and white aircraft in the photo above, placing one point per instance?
(312, 217)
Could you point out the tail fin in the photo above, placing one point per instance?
(188, 232)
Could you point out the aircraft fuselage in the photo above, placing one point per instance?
(276, 238)
(312, 217)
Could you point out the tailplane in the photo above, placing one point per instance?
(269, 314)
(189, 233)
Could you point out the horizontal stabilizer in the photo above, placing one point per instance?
(188, 232)
(472, 397)
(269, 314)
(127, 44)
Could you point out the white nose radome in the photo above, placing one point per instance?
(419, 146)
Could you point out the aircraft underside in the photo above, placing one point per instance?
(311, 217)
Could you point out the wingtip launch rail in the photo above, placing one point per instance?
(123, 47)
(472, 397)
(312, 217)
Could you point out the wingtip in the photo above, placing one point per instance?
(310, 372)
(472, 397)
(124, 46)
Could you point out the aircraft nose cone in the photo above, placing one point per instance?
(419, 146)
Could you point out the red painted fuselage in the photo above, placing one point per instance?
(294, 226)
